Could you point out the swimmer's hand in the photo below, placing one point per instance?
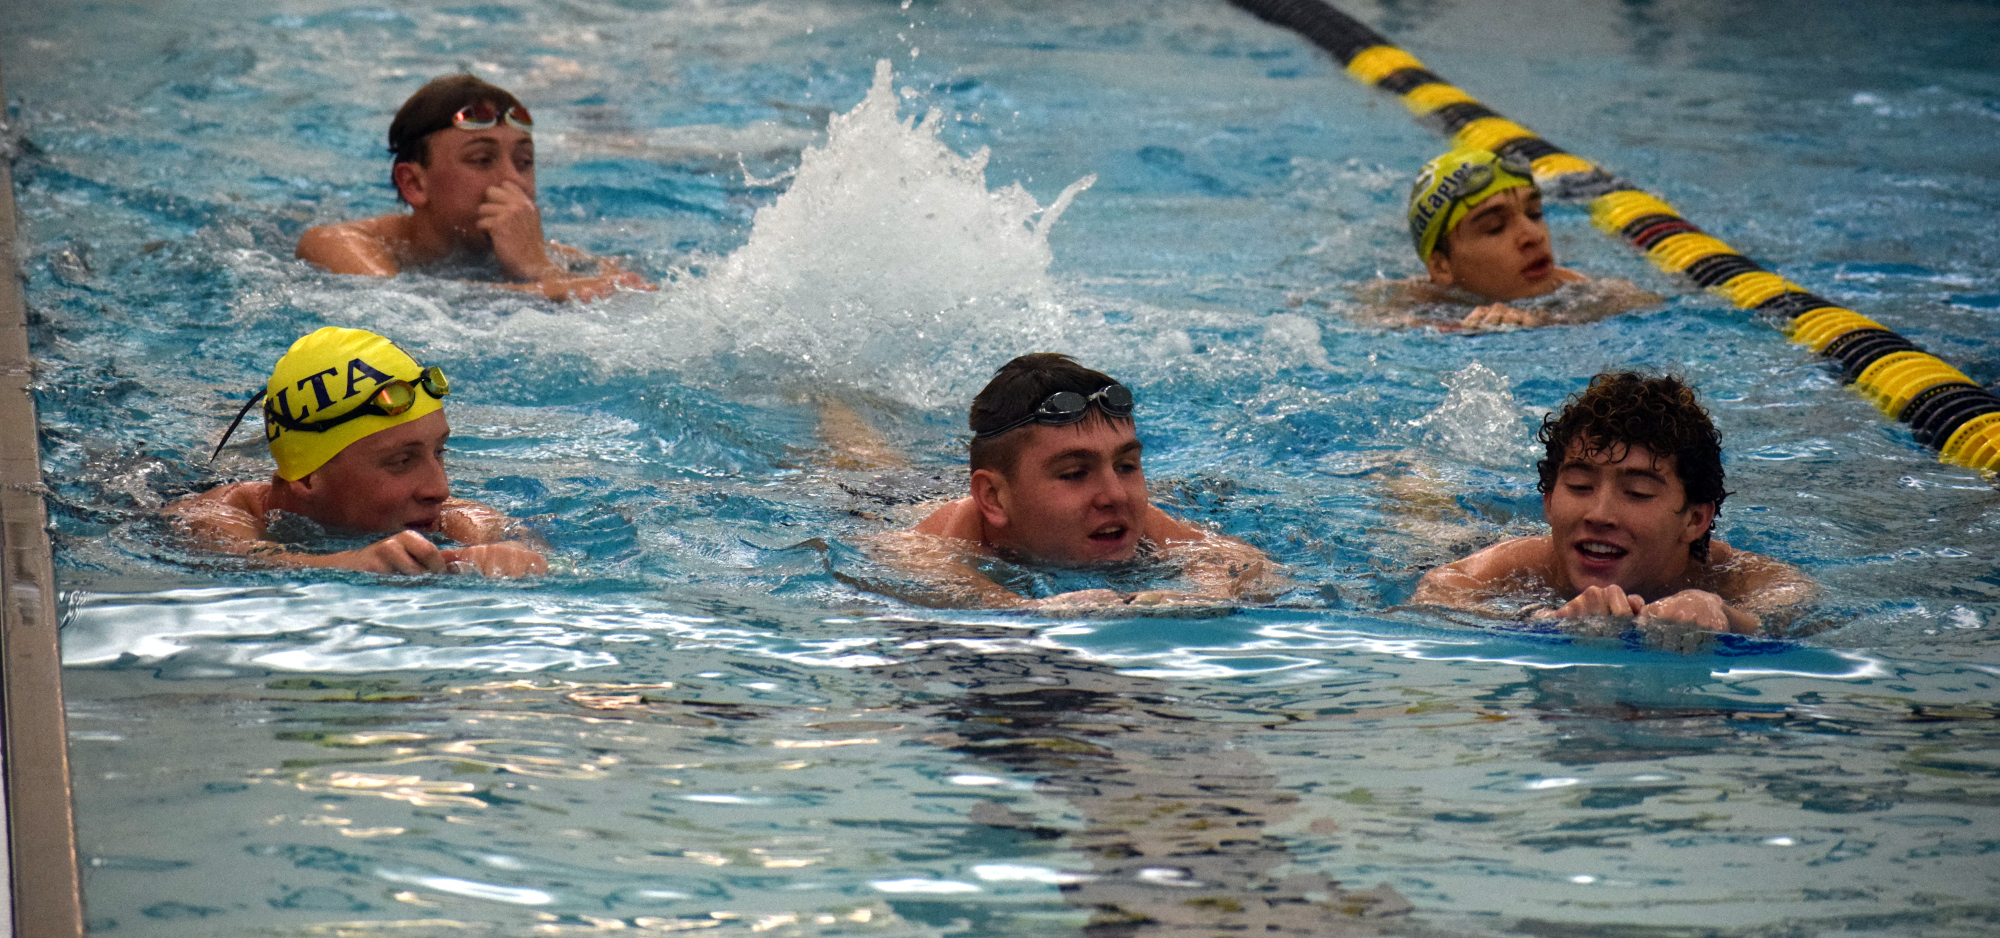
(409, 553)
(1498, 315)
(1702, 609)
(1598, 602)
(505, 559)
(513, 224)
(1078, 599)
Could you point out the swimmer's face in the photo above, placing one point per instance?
(463, 169)
(1624, 522)
(1500, 249)
(388, 481)
(1074, 497)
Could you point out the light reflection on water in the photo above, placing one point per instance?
(702, 724)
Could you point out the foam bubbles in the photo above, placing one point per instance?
(1478, 421)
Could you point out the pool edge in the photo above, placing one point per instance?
(41, 825)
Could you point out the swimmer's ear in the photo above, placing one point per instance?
(989, 495)
(410, 181)
(1699, 517)
(1439, 266)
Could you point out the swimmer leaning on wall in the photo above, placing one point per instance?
(358, 430)
(465, 164)
(1476, 221)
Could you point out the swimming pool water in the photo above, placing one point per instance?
(702, 723)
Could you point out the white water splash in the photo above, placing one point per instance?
(888, 265)
(1478, 421)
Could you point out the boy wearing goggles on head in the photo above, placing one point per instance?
(1631, 486)
(1056, 479)
(358, 430)
(1476, 220)
(465, 164)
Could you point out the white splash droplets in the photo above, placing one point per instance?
(1478, 421)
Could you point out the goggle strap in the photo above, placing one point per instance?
(233, 424)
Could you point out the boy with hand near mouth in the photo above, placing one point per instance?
(358, 431)
(1631, 484)
(1476, 221)
(465, 164)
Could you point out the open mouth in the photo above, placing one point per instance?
(1599, 552)
(426, 525)
(1109, 534)
(1542, 267)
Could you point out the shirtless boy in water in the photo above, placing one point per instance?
(465, 164)
(1056, 479)
(1631, 484)
(1476, 220)
(358, 431)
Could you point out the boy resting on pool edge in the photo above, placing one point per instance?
(358, 431)
(1631, 484)
(1476, 222)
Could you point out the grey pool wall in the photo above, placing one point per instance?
(43, 898)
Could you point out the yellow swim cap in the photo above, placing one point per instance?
(328, 374)
(1454, 184)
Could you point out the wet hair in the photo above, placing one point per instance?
(1018, 388)
(430, 110)
(1623, 409)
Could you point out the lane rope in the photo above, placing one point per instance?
(1946, 410)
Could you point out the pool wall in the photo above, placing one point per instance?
(40, 862)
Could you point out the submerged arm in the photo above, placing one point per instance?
(553, 279)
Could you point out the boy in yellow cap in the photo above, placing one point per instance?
(358, 430)
(465, 164)
(1476, 220)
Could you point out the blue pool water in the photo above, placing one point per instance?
(702, 723)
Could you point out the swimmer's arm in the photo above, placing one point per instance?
(1224, 567)
(496, 545)
(1758, 591)
(556, 282)
(1468, 583)
(222, 520)
(939, 561)
(349, 248)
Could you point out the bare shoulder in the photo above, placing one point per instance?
(367, 246)
(1162, 528)
(959, 519)
(1754, 581)
(226, 512)
(1470, 578)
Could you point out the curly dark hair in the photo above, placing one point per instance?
(1623, 409)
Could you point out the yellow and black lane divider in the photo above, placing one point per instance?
(1945, 409)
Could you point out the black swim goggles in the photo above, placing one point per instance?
(1067, 407)
(389, 399)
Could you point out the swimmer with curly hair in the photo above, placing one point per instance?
(1631, 484)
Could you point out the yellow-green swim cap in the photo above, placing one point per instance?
(328, 374)
(1454, 184)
